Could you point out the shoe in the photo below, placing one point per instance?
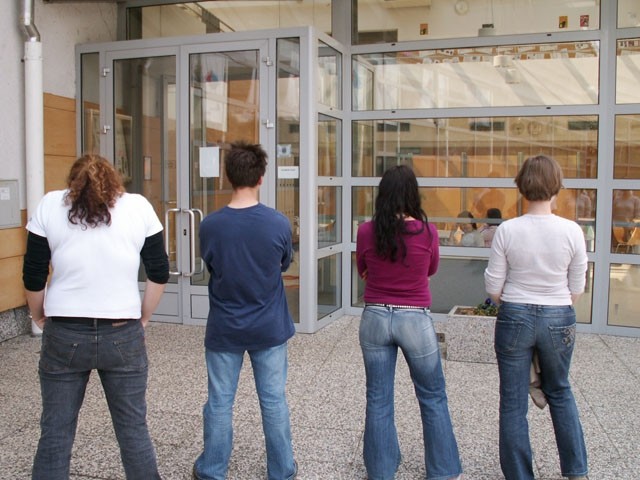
(582, 477)
(194, 475)
(295, 470)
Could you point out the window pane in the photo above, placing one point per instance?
(357, 284)
(384, 21)
(329, 284)
(542, 74)
(329, 218)
(199, 18)
(475, 147)
(90, 103)
(288, 139)
(625, 230)
(627, 154)
(330, 76)
(329, 147)
(627, 68)
(468, 217)
(624, 301)
(628, 14)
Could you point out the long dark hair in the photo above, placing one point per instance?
(94, 186)
(398, 197)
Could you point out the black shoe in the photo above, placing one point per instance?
(295, 470)
(194, 475)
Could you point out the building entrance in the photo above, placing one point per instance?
(165, 110)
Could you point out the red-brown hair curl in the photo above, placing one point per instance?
(94, 187)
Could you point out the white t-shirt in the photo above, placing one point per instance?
(95, 270)
(537, 259)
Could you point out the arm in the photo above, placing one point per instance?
(156, 265)
(152, 295)
(35, 302)
(495, 274)
(577, 266)
(35, 271)
(435, 251)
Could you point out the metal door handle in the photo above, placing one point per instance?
(192, 251)
(166, 235)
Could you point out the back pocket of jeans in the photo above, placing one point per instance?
(506, 335)
(56, 353)
(563, 337)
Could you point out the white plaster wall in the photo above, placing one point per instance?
(61, 26)
(11, 98)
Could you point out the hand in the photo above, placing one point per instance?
(364, 274)
(40, 322)
(144, 322)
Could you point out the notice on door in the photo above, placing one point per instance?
(209, 162)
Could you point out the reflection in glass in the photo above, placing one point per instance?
(90, 103)
(386, 21)
(329, 218)
(624, 301)
(330, 76)
(626, 162)
(329, 147)
(625, 215)
(493, 147)
(362, 204)
(468, 217)
(329, 284)
(144, 123)
(628, 14)
(518, 75)
(288, 139)
(199, 18)
(627, 68)
(357, 284)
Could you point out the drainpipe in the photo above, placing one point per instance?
(33, 114)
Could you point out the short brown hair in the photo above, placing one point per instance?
(539, 178)
(245, 163)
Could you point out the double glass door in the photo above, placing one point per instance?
(168, 115)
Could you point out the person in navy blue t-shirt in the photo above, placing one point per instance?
(246, 246)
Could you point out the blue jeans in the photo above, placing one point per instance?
(382, 331)
(550, 330)
(270, 374)
(69, 353)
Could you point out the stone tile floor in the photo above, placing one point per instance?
(326, 396)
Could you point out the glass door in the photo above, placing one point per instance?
(226, 84)
(141, 120)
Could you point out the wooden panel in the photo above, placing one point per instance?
(59, 132)
(59, 103)
(12, 291)
(56, 169)
(13, 241)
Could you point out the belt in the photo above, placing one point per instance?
(91, 321)
(395, 307)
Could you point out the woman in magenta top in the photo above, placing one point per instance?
(396, 253)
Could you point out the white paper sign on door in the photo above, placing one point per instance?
(209, 162)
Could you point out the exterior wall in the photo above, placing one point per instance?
(61, 27)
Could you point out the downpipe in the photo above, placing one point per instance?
(34, 115)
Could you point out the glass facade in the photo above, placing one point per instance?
(384, 21)
(492, 76)
(200, 18)
(451, 89)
